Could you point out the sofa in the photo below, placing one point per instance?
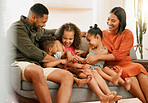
(24, 90)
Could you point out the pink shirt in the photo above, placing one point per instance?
(72, 50)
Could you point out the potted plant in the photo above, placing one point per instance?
(141, 26)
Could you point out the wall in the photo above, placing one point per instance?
(82, 18)
(13, 9)
(10, 11)
(102, 9)
(145, 44)
(132, 26)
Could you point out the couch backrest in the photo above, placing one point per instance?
(84, 46)
(133, 53)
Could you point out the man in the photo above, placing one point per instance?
(23, 36)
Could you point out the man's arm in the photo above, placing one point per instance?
(19, 37)
(49, 58)
(54, 63)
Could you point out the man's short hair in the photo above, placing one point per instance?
(39, 9)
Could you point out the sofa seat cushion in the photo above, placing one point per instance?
(27, 86)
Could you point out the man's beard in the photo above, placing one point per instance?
(35, 27)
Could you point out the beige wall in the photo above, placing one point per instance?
(82, 18)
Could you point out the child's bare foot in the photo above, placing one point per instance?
(116, 98)
(89, 76)
(113, 93)
(116, 77)
(106, 98)
(127, 84)
(81, 82)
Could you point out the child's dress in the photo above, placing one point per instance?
(100, 64)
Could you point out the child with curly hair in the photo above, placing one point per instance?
(70, 37)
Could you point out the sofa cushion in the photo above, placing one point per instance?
(27, 86)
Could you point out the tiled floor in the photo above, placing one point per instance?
(132, 100)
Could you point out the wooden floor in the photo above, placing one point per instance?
(18, 99)
(132, 100)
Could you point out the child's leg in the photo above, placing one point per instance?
(82, 75)
(95, 88)
(101, 82)
(81, 82)
(79, 73)
(126, 84)
(113, 78)
(104, 87)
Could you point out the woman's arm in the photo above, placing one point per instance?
(93, 59)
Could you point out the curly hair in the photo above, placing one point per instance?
(46, 41)
(70, 27)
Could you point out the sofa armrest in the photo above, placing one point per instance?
(16, 78)
(143, 62)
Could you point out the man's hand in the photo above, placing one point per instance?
(64, 61)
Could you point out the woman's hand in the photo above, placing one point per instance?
(116, 67)
(91, 59)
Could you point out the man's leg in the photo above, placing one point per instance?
(34, 73)
(65, 78)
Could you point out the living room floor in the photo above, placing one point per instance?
(131, 100)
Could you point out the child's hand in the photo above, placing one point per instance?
(59, 45)
(86, 66)
(81, 60)
(83, 34)
(79, 52)
(75, 59)
(64, 61)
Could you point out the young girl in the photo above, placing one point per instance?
(94, 36)
(70, 36)
(66, 35)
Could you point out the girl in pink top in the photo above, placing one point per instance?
(70, 36)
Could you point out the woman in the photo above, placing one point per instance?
(119, 41)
